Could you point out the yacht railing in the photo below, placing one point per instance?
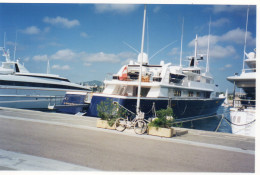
(239, 103)
(250, 70)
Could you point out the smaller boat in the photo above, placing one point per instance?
(73, 103)
(225, 103)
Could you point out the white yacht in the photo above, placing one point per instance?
(242, 114)
(190, 91)
(21, 89)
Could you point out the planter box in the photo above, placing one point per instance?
(162, 132)
(104, 124)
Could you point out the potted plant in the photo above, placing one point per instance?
(109, 111)
(161, 125)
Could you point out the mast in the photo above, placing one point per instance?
(195, 51)
(48, 66)
(15, 45)
(141, 65)
(243, 70)
(181, 42)
(207, 64)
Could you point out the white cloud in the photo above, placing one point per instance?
(26, 59)
(118, 8)
(46, 29)
(228, 8)
(88, 58)
(87, 64)
(174, 51)
(32, 30)
(220, 45)
(10, 43)
(65, 54)
(58, 67)
(83, 34)
(238, 36)
(218, 51)
(203, 41)
(100, 57)
(156, 9)
(62, 21)
(106, 57)
(225, 67)
(228, 65)
(40, 58)
(220, 22)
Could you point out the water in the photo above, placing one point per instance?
(211, 124)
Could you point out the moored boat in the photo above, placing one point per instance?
(21, 89)
(189, 91)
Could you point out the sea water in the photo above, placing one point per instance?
(211, 124)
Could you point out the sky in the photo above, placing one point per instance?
(85, 42)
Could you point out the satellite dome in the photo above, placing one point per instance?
(145, 58)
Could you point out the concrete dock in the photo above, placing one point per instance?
(34, 140)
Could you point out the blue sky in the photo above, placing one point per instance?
(86, 41)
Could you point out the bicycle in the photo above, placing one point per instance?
(139, 125)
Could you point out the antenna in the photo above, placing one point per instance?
(245, 40)
(141, 65)
(131, 47)
(15, 45)
(181, 42)
(48, 67)
(147, 38)
(162, 49)
(207, 65)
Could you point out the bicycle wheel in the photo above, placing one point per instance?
(140, 127)
(120, 124)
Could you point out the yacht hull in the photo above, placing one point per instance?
(30, 98)
(243, 121)
(182, 108)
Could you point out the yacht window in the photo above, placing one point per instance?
(190, 94)
(196, 71)
(208, 81)
(207, 94)
(33, 84)
(144, 92)
(17, 68)
(177, 92)
(198, 94)
(53, 78)
(135, 90)
(175, 78)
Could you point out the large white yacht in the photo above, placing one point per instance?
(189, 91)
(21, 89)
(242, 114)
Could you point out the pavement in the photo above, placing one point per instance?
(34, 140)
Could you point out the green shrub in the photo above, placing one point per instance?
(107, 110)
(162, 121)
